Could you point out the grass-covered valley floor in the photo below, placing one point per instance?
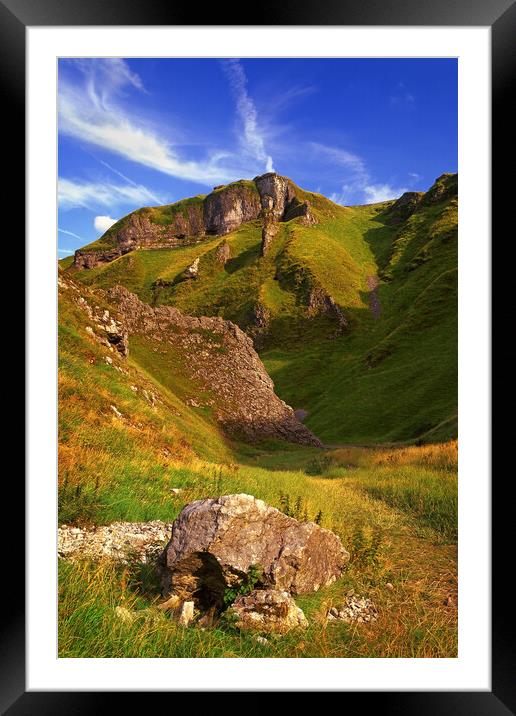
(381, 396)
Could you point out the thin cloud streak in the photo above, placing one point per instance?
(70, 233)
(129, 181)
(252, 139)
(73, 195)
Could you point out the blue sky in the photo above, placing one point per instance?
(141, 132)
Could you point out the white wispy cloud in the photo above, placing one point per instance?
(65, 252)
(382, 192)
(358, 184)
(92, 195)
(93, 112)
(70, 233)
(252, 138)
(130, 181)
(103, 223)
(342, 158)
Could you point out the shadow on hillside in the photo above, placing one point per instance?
(243, 259)
(380, 240)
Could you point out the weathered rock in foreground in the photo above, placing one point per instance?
(215, 542)
(267, 611)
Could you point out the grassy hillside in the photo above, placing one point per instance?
(126, 438)
(392, 376)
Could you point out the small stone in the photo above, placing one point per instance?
(389, 586)
(186, 614)
(108, 360)
(176, 490)
(261, 640)
(207, 619)
(172, 603)
(116, 411)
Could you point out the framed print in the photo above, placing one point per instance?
(258, 356)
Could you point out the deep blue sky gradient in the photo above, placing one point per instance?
(356, 130)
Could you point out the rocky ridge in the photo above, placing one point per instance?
(221, 359)
(270, 197)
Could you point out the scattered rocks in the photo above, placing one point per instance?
(267, 611)
(173, 603)
(354, 609)
(123, 541)
(215, 542)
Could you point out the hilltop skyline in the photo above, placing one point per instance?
(139, 132)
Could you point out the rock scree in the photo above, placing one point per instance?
(221, 359)
(215, 542)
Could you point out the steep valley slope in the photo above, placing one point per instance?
(353, 310)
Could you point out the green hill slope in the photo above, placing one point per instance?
(391, 272)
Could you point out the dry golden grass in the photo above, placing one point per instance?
(441, 456)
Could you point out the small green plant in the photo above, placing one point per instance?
(365, 548)
(247, 584)
(320, 464)
(299, 511)
(79, 502)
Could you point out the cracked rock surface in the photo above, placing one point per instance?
(215, 542)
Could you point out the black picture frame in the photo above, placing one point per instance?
(500, 15)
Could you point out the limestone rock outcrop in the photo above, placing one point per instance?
(221, 360)
(405, 206)
(321, 303)
(220, 212)
(215, 542)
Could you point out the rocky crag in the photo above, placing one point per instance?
(217, 358)
(271, 198)
(221, 360)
